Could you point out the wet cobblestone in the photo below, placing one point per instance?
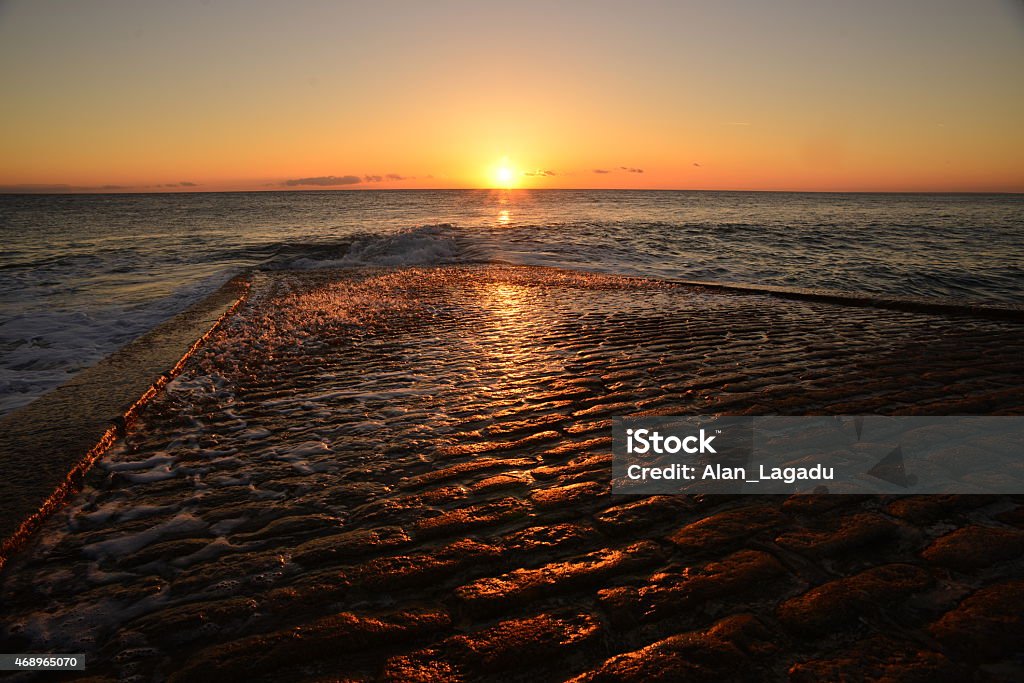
(403, 475)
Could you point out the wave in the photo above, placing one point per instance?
(423, 245)
(436, 244)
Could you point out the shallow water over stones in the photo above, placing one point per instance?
(404, 474)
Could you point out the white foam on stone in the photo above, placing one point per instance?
(80, 628)
(226, 526)
(184, 523)
(307, 449)
(161, 473)
(224, 482)
(144, 511)
(216, 548)
(156, 460)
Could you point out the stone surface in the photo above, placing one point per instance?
(974, 547)
(729, 650)
(882, 659)
(726, 529)
(326, 637)
(837, 535)
(987, 626)
(514, 645)
(403, 474)
(685, 589)
(838, 602)
(557, 578)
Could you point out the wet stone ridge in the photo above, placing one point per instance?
(46, 446)
(403, 475)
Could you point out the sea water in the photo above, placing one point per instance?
(81, 275)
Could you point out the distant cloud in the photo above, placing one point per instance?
(183, 183)
(696, 164)
(627, 169)
(539, 172)
(324, 181)
(335, 181)
(737, 123)
(387, 176)
(36, 188)
(59, 188)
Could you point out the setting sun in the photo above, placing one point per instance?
(504, 175)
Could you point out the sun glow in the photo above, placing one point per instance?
(504, 175)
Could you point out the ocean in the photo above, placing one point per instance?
(84, 274)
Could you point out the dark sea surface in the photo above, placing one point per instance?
(80, 275)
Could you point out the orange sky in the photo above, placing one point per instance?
(733, 95)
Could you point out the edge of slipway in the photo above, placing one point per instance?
(43, 460)
(47, 446)
(906, 304)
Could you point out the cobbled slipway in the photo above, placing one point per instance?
(403, 475)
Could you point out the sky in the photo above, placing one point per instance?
(737, 94)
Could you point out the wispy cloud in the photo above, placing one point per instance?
(626, 169)
(58, 188)
(337, 181)
(387, 177)
(539, 172)
(324, 181)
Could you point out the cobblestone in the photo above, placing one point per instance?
(403, 474)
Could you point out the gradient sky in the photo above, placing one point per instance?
(860, 95)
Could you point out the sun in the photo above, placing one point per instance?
(505, 176)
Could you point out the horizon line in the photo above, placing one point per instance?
(142, 191)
